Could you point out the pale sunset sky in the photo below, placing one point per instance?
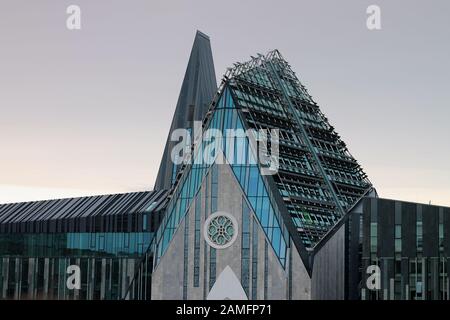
(87, 112)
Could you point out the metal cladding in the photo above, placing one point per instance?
(197, 91)
(107, 213)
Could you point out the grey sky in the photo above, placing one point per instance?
(85, 112)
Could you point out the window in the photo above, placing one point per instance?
(254, 259)
(245, 262)
(197, 240)
(373, 237)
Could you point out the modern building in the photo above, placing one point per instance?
(408, 242)
(263, 201)
(106, 236)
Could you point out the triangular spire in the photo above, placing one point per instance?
(197, 91)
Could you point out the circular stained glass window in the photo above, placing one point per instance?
(220, 230)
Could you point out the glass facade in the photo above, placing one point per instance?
(106, 237)
(75, 244)
(318, 179)
(34, 266)
(243, 163)
(45, 277)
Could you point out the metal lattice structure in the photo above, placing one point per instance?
(318, 178)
